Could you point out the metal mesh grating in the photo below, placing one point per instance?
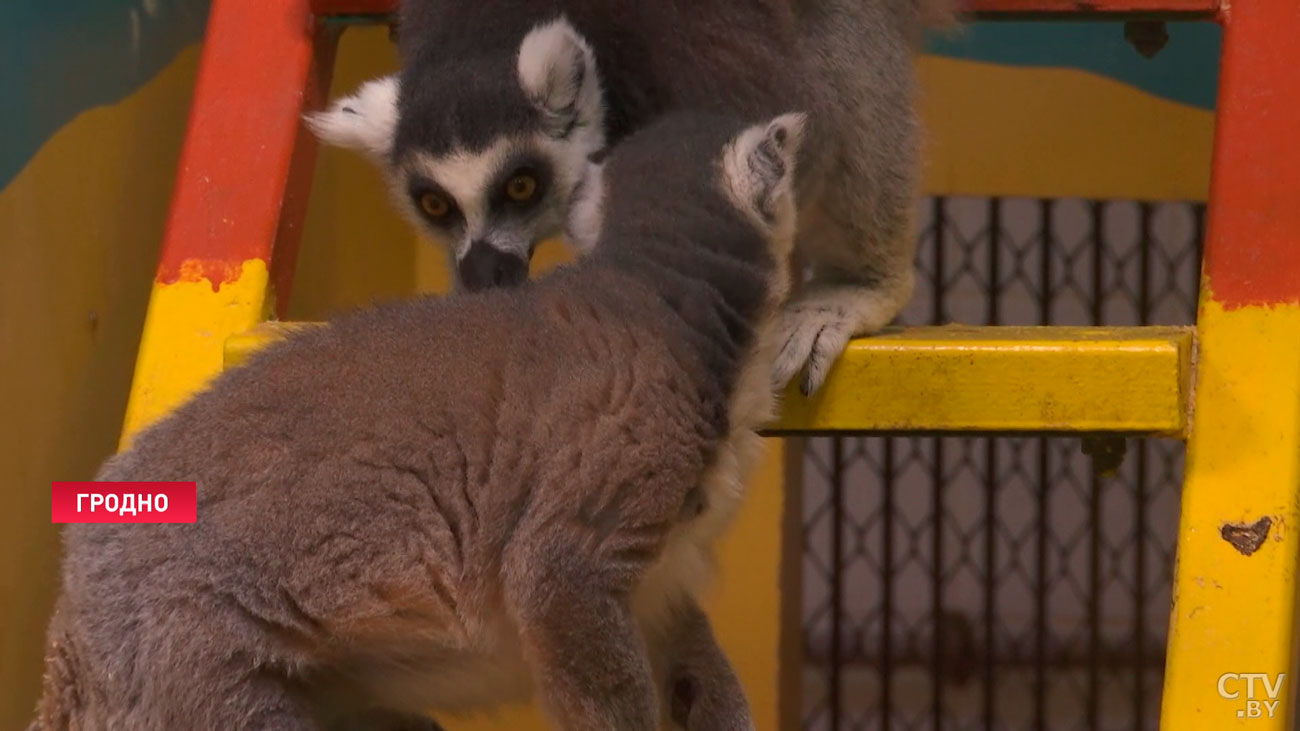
(996, 583)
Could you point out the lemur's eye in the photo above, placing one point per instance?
(434, 205)
(522, 187)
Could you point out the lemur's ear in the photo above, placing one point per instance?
(758, 166)
(366, 120)
(557, 72)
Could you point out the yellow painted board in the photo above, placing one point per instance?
(1232, 659)
(959, 378)
(185, 330)
(979, 379)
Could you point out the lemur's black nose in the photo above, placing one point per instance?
(485, 266)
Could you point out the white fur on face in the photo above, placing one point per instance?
(366, 120)
(468, 178)
(557, 72)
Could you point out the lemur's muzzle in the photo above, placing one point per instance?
(485, 266)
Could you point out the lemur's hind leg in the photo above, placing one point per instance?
(587, 655)
(702, 692)
(862, 277)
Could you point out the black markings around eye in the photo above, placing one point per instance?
(433, 203)
(521, 184)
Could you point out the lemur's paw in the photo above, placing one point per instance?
(817, 324)
(812, 334)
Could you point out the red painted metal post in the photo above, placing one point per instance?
(246, 160)
(1252, 253)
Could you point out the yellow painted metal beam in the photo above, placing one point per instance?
(978, 379)
(958, 378)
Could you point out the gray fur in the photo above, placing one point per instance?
(453, 503)
(847, 62)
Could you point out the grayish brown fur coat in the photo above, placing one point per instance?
(452, 503)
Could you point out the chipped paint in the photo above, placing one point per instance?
(1247, 538)
(214, 272)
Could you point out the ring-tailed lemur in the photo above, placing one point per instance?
(499, 102)
(456, 502)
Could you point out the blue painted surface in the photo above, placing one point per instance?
(1186, 71)
(59, 58)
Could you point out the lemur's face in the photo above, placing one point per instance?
(491, 207)
(490, 173)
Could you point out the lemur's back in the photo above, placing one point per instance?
(447, 503)
(456, 428)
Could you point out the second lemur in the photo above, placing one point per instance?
(452, 504)
(500, 102)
